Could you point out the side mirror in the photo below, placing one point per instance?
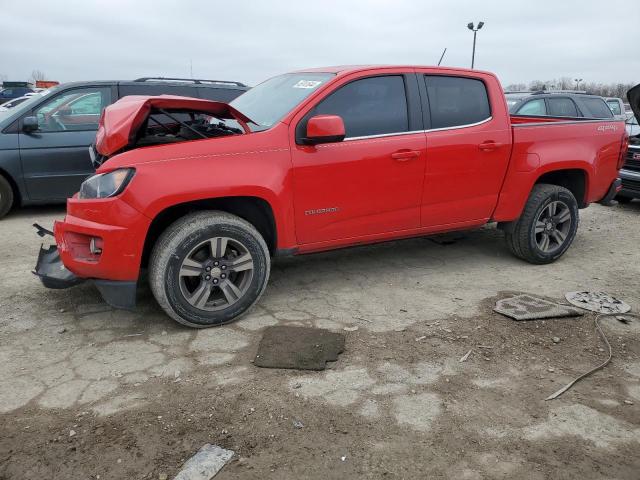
(324, 129)
(30, 124)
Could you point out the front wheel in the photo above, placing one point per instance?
(209, 268)
(547, 226)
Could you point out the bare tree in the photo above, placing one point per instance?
(38, 75)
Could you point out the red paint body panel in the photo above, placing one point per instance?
(338, 194)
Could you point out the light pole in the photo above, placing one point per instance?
(578, 80)
(475, 32)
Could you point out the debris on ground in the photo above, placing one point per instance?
(600, 302)
(298, 424)
(465, 356)
(556, 339)
(593, 370)
(205, 464)
(352, 328)
(528, 307)
(300, 348)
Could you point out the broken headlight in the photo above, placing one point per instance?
(105, 185)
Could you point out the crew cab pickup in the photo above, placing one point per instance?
(316, 160)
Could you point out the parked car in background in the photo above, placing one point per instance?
(11, 90)
(44, 141)
(316, 160)
(558, 104)
(13, 103)
(617, 107)
(630, 171)
(631, 122)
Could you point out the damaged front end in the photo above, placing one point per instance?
(53, 274)
(49, 267)
(141, 121)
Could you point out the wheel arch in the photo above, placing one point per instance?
(255, 210)
(17, 197)
(573, 179)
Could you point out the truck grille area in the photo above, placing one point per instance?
(632, 160)
(631, 185)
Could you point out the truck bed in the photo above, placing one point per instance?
(590, 148)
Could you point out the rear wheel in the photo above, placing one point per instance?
(547, 225)
(6, 196)
(209, 268)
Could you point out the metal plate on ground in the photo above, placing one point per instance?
(299, 348)
(600, 302)
(528, 307)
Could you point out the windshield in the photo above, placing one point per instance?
(270, 101)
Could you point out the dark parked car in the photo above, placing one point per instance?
(630, 171)
(11, 90)
(558, 104)
(44, 142)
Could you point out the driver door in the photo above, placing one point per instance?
(55, 158)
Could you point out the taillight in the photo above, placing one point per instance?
(623, 150)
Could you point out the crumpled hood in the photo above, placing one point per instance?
(121, 120)
(633, 96)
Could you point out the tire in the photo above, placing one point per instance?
(203, 248)
(526, 239)
(6, 196)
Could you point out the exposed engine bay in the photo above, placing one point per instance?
(167, 126)
(138, 121)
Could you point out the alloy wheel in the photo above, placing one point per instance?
(552, 226)
(216, 273)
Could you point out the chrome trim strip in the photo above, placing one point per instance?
(457, 127)
(629, 174)
(367, 137)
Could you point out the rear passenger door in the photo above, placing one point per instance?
(468, 149)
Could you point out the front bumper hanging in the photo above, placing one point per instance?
(53, 274)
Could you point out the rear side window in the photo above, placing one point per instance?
(533, 107)
(370, 106)
(456, 101)
(596, 108)
(562, 107)
(614, 105)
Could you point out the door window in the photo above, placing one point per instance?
(370, 106)
(533, 107)
(562, 107)
(456, 101)
(73, 110)
(596, 107)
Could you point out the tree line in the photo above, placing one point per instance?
(618, 90)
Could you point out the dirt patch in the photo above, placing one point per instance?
(141, 394)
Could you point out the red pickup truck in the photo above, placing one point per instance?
(203, 193)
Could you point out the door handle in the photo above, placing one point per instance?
(489, 145)
(404, 155)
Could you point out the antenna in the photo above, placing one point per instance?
(442, 56)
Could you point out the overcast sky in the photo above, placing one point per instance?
(249, 40)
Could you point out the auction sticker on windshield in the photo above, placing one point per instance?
(307, 84)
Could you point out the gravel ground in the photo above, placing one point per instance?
(89, 392)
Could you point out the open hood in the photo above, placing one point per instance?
(633, 96)
(120, 122)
